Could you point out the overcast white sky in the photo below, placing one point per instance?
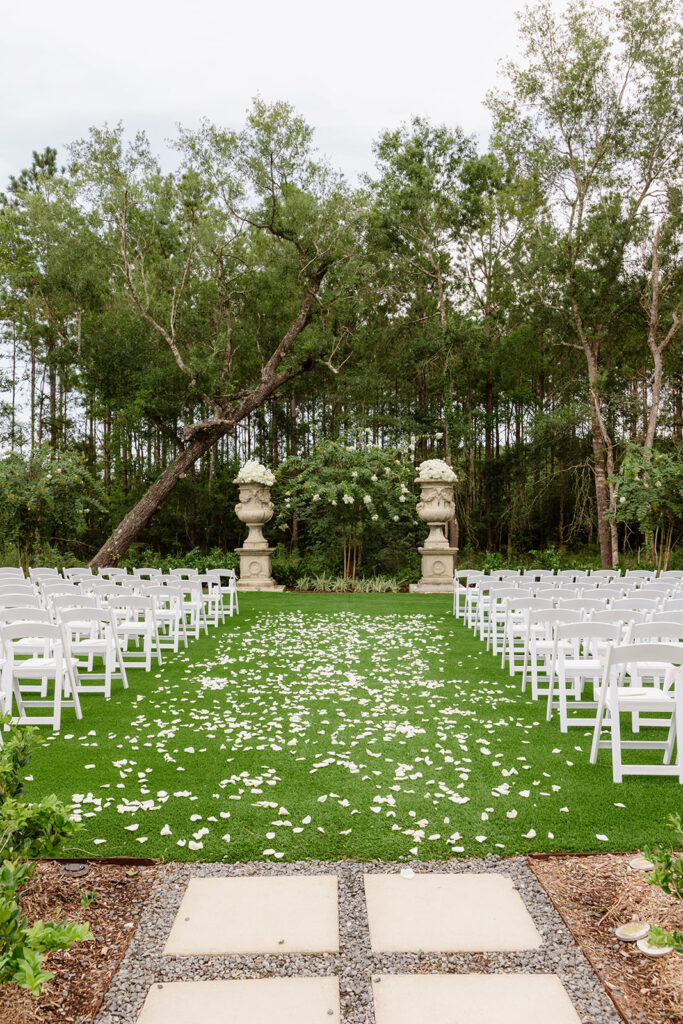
(352, 68)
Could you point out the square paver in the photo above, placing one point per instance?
(447, 913)
(296, 914)
(269, 1001)
(472, 999)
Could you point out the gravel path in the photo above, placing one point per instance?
(355, 964)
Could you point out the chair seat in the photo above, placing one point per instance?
(589, 666)
(649, 695)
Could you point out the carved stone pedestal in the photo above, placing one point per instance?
(437, 571)
(255, 570)
(436, 509)
(255, 509)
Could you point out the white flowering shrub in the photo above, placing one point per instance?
(340, 491)
(436, 469)
(253, 472)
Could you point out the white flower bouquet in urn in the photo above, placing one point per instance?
(253, 472)
(436, 469)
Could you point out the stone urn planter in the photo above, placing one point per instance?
(436, 508)
(255, 509)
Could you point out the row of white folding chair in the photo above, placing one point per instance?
(659, 660)
(581, 657)
(515, 633)
(62, 653)
(464, 580)
(578, 658)
(532, 632)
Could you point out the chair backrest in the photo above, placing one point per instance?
(548, 619)
(588, 631)
(606, 573)
(616, 615)
(19, 599)
(104, 591)
(40, 572)
(23, 630)
(656, 631)
(95, 616)
(629, 654)
(183, 573)
(130, 603)
(11, 570)
(673, 604)
(28, 614)
(638, 574)
(61, 602)
(509, 592)
(142, 572)
(668, 615)
(614, 589)
(523, 603)
(163, 595)
(643, 604)
(15, 584)
(581, 604)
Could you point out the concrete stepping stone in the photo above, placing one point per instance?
(472, 999)
(447, 913)
(268, 1001)
(284, 914)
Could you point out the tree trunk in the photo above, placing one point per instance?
(128, 529)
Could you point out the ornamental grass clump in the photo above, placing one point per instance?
(28, 831)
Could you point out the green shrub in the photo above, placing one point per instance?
(668, 876)
(27, 831)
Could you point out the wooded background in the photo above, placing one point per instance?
(514, 310)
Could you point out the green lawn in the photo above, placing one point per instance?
(330, 726)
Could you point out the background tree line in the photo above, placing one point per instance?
(516, 310)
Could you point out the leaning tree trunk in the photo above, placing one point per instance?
(114, 549)
(203, 435)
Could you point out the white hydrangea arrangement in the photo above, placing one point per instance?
(253, 472)
(436, 469)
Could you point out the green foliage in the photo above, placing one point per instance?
(22, 946)
(27, 831)
(649, 491)
(348, 495)
(327, 583)
(87, 898)
(43, 497)
(668, 876)
(194, 559)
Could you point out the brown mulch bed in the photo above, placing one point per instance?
(81, 974)
(595, 894)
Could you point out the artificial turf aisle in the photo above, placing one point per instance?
(330, 726)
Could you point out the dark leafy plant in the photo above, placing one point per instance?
(668, 875)
(27, 831)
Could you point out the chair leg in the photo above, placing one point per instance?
(615, 730)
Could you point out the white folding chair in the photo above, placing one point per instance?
(101, 642)
(516, 634)
(227, 583)
(50, 664)
(540, 648)
(136, 623)
(578, 660)
(459, 589)
(616, 698)
(169, 615)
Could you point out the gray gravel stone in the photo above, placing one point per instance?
(355, 965)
